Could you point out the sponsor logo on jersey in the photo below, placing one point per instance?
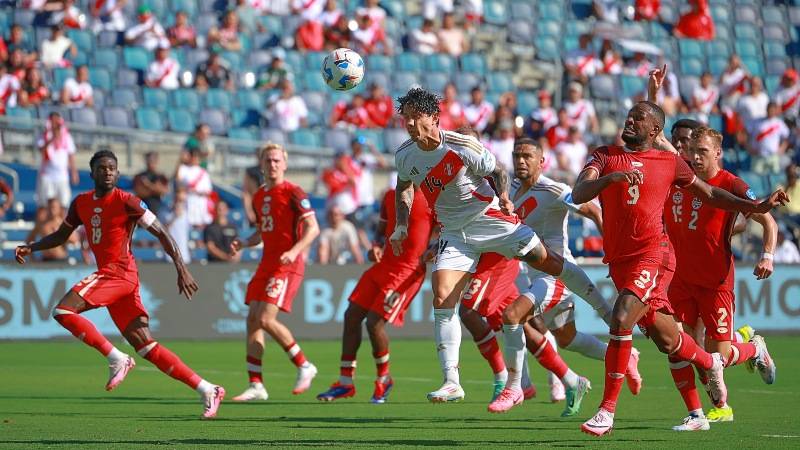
(637, 164)
(750, 194)
(677, 197)
(696, 203)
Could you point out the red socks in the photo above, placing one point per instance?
(617, 356)
(169, 363)
(740, 352)
(490, 351)
(82, 329)
(382, 363)
(688, 350)
(348, 366)
(254, 369)
(295, 354)
(550, 359)
(683, 375)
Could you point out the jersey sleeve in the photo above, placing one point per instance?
(402, 174)
(478, 159)
(684, 176)
(137, 209)
(566, 198)
(300, 203)
(73, 220)
(597, 161)
(741, 189)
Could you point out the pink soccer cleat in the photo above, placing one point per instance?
(212, 400)
(529, 392)
(506, 400)
(118, 370)
(304, 377)
(600, 424)
(632, 376)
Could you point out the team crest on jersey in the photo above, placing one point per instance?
(677, 197)
(95, 220)
(696, 203)
(265, 208)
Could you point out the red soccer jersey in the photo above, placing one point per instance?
(109, 222)
(701, 234)
(279, 211)
(420, 223)
(633, 216)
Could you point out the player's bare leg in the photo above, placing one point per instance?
(255, 350)
(376, 328)
(137, 333)
(67, 314)
(354, 317)
(447, 287)
(487, 344)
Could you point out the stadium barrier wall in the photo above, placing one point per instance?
(28, 295)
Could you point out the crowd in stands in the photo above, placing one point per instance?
(758, 119)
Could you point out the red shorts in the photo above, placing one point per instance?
(119, 295)
(388, 290)
(492, 288)
(647, 277)
(276, 285)
(712, 306)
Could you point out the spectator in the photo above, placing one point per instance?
(379, 105)
(370, 36)
(639, 65)
(582, 62)
(197, 182)
(424, 40)
(58, 163)
(705, 98)
(276, 73)
(753, 106)
(786, 252)
(16, 64)
(3, 51)
(33, 92)
(452, 37)
(697, 23)
(7, 197)
(606, 10)
(338, 242)
(338, 35)
(151, 185)
(769, 141)
(368, 159)
(451, 115)
(646, 10)
(435, 8)
(579, 110)
(226, 37)
(478, 112)
(542, 118)
(163, 71)
(219, 235)
(571, 153)
(788, 96)
(69, 16)
(309, 36)
(559, 132)
(148, 32)
(182, 33)
(216, 72)
(502, 144)
(341, 180)
(732, 83)
(200, 142)
(247, 15)
(10, 87)
(178, 223)
(353, 114)
(18, 41)
(48, 220)
(253, 179)
(473, 13)
(375, 12)
(610, 59)
(331, 14)
(108, 15)
(287, 111)
(55, 48)
(200, 83)
(792, 209)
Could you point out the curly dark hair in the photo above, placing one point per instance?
(421, 100)
(101, 154)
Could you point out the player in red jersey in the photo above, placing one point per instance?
(703, 284)
(633, 183)
(382, 296)
(287, 226)
(110, 216)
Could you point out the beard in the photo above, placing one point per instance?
(633, 139)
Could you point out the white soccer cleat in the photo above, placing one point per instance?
(557, 391)
(304, 377)
(118, 370)
(256, 391)
(716, 383)
(763, 361)
(211, 401)
(693, 423)
(600, 424)
(449, 392)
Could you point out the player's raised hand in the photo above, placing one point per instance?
(763, 269)
(288, 257)
(21, 252)
(375, 253)
(655, 81)
(397, 238)
(777, 198)
(186, 284)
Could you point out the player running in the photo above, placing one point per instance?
(287, 226)
(703, 284)
(110, 216)
(633, 183)
(450, 168)
(382, 295)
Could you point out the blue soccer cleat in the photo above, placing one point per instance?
(337, 391)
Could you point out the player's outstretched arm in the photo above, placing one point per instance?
(251, 241)
(769, 236)
(720, 198)
(593, 213)
(403, 200)
(186, 284)
(52, 240)
(589, 185)
(501, 185)
(309, 231)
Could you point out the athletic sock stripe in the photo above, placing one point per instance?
(627, 337)
(146, 349)
(678, 364)
(541, 348)
(253, 368)
(60, 311)
(489, 336)
(293, 350)
(382, 359)
(348, 364)
(734, 356)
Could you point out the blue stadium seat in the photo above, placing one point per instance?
(773, 15)
(136, 58)
(313, 60)
(107, 58)
(465, 81)
(274, 135)
(403, 81)
(632, 85)
(549, 28)
(149, 119)
(746, 31)
(249, 99)
(218, 98)
(60, 75)
(305, 137)
(24, 17)
(186, 99)
(100, 78)
(776, 66)
(435, 82)
(408, 62)
(272, 24)
(180, 120)
(473, 63)
(124, 97)
(155, 98)
(115, 116)
(380, 63)
(692, 67)
(495, 12)
(315, 101)
(373, 137)
(526, 103)
(245, 118)
(522, 11)
(337, 139)
(551, 11)
(394, 8)
(773, 32)
(24, 117)
(745, 14)
(774, 49)
(245, 134)
(233, 60)
(603, 87)
(440, 62)
(754, 65)
(312, 80)
(520, 32)
(690, 48)
(259, 60)
(85, 116)
(720, 14)
(576, 28)
(716, 65)
(499, 82)
(294, 61)
(547, 48)
(717, 48)
(108, 39)
(148, 254)
(82, 39)
(205, 22)
(216, 120)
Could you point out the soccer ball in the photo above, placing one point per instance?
(343, 69)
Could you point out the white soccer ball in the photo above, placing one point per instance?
(343, 69)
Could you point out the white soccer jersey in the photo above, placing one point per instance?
(451, 177)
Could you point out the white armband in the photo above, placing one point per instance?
(767, 255)
(147, 219)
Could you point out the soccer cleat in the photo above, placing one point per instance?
(600, 424)
(693, 423)
(716, 383)
(449, 392)
(382, 390)
(498, 388)
(724, 414)
(507, 399)
(118, 370)
(747, 333)
(557, 392)
(632, 376)
(337, 391)
(762, 361)
(529, 392)
(304, 377)
(575, 397)
(212, 400)
(256, 391)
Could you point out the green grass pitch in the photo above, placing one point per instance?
(51, 396)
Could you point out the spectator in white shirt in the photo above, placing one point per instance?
(478, 112)
(753, 106)
(788, 96)
(77, 92)
(424, 40)
(786, 252)
(163, 71)
(197, 182)
(452, 37)
(542, 117)
(435, 8)
(288, 111)
(177, 222)
(108, 15)
(580, 111)
(704, 98)
(69, 16)
(338, 243)
(571, 154)
(502, 144)
(55, 48)
(732, 83)
(148, 33)
(373, 10)
(610, 59)
(58, 168)
(582, 62)
(9, 88)
(769, 139)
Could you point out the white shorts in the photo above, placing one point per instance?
(552, 301)
(59, 189)
(491, 232)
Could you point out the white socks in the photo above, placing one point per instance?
(204, 387)
(447, 334)
(526, 376)
(514, 352)
(588, 345)
(579, 283)
(570, 379)
(115, 355)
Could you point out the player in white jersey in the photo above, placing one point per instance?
(450, 169)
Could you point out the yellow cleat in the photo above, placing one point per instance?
(747, 333)
(720, 414)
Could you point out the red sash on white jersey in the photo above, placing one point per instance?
(791, 101)
(578, 114)
(584, 62)
(764, 134)
(169, 65)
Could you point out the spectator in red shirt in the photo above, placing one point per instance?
(338, 35)
(342, 182)
(451, 116)
(33, 92)
(646, 9)
(697, 23)
(380, 106)
(557, 134)
(351, 114)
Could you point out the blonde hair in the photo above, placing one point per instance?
(269, 146)
(706, 132)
